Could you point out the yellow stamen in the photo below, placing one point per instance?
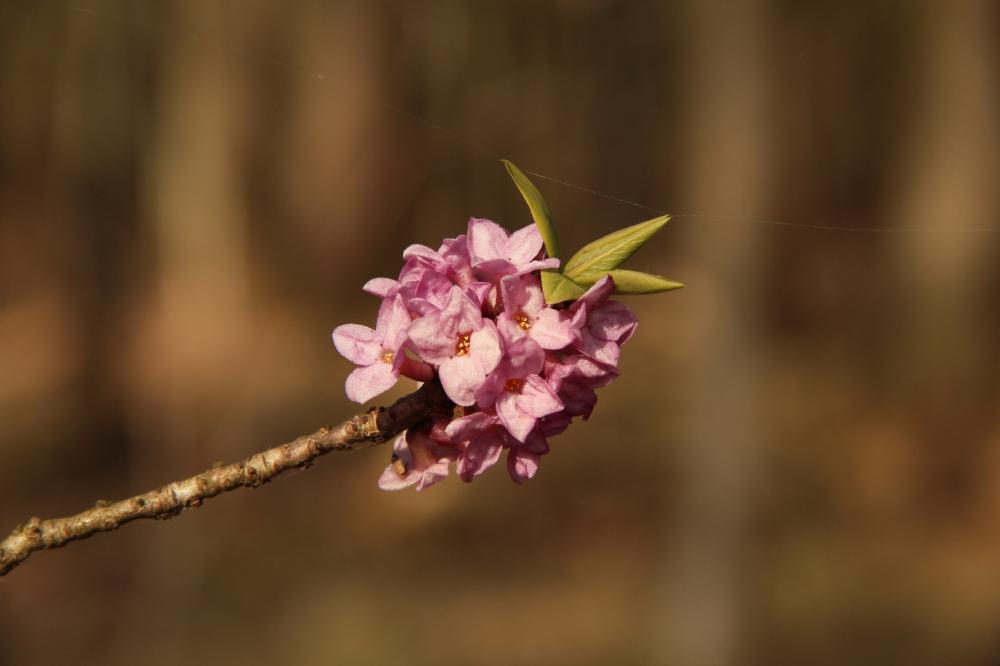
(388, 357)
(514, 385)
(399, 467)
(523, 321)
(463, 344)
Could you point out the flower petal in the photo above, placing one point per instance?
(381, 286)
(524, 245)
(391, 479)
(596, 295)
(552, 329)
(461, 377)
(465, 428)
(358, 344)
(522, 294)
(612, 321)
(487, 240)
(604, 351)
(432, 342)
(366, 382)
(393, 321)
(484, 346)
(518, 423)
(537, 398)
(522, 465)
(481, 453)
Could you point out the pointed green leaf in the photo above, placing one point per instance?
(608, 252)
(536, 204)
(558, 288)
(636, 282)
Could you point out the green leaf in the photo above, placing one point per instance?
(608, 252)
(558, 288)
(536, 204)
(636, 282)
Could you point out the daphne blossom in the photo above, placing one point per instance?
(472, 315)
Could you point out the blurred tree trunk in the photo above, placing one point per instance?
(705, 592)
(948, 178)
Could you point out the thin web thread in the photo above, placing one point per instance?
(292, 68)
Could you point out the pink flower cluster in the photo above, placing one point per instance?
(472, 314)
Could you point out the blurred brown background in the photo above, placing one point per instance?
(800, 465)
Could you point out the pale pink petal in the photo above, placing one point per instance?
(461, 377)
(538, 265)
(491, 389)
(460, 314)
(552, 329)
(484, 346)
(518, 423)
(381, 286)
(522, 294)
(358, 344)
(597, 294)
(436, 472)
(425, 254)
(537, 398)
(487, 240)
(479, 292)
(589, 371)
(523, 357)
(481, 453)
(393, 320)
(429, 341)
(604, 351)
(612, 321)
(494, 270)
(521, 465)
(366, 382)
(524, 245)
(465, 428)
(509, 330)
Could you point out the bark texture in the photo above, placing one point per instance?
(372, 427)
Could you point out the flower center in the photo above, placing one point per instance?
(463, 344)
(523, 321)
(388, 357)
(514, 385)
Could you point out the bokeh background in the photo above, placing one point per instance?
(800, 464)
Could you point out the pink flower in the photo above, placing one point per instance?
(378, 352)
(525, 313)
(479, 438)
(494, 254)
(523, 458)
(464, 347)
(608, 324)
(574, 379)
(472, 315)
(515, 389)
(416, 460)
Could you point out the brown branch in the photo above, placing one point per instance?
(372, 427)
